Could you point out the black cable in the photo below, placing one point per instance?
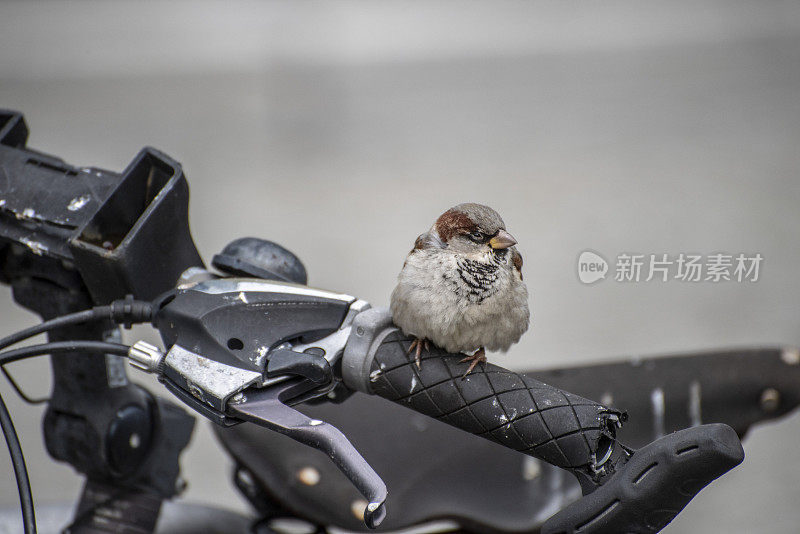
(127, 312)
(65, 320)
(84, 316)
(18, 389)
(20, 470)
(12, 440)
(124, 311)
(56, 347)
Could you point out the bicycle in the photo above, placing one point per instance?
(90, 250)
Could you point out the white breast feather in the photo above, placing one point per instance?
(424, 305)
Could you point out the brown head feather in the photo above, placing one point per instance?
(453, 222)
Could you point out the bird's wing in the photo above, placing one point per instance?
(426, 241)
(516, 261)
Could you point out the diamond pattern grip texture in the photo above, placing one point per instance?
(509, 408)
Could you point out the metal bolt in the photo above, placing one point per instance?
(246, 481)
(309, 476)
(770, 399)
(358, 507)
(530, 468)
(791, 356)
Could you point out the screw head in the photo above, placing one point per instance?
(246, 481)
(309, 476)
(358, 507)
(531, 468)
(770, 400)
(791, 356)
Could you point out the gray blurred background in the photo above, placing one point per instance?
(342, 129)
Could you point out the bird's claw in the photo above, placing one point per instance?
(475, 359)
(418, 344)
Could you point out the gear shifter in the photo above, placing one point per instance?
(244, 349)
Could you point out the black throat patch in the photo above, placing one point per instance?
(475, 280)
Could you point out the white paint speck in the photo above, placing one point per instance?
(243, 297)
(494, 403)
(503, 418)
(373, 376)
(2, 202)
(36, 247)
(262, 353)
(413, 384)
(78, 202)
(28, 213)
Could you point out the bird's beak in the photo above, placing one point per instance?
(502, 240)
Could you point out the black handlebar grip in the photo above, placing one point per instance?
(506, 407)
(514, 410)
(655, 484)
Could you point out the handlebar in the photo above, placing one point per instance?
(624, 490)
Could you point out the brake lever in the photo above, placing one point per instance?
(265, 407)
(237, 353)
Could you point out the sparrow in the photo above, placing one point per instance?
(461, 286)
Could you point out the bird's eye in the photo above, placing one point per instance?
(477, 236)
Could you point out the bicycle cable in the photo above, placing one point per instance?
(124, 311)
(20, 469)
(7, 424)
